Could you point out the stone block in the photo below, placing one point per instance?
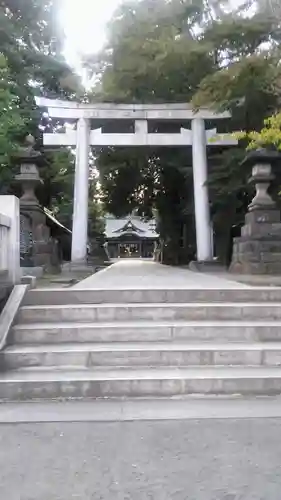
(249, 267)
(149, 312)
(70, 333)
(213, 333)
(36, 272)
(257, 246)
(139, 384)
(259, 251)
(272, 357)
(211, 266)
(250, 256)
(270, 246)
(233, 357)
(271, 257)
(74, 296)
(262, 217)
(28, 280)
(265, 229)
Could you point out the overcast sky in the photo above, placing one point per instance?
(84, 23)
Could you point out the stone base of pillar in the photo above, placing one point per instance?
(257, 255)
(43, 250)
(207, 266)
(35, 271)
(77, 266)
(258, 249)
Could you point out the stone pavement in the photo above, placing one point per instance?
(182, 460)
(137, 274)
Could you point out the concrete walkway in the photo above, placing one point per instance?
(183, 460)
(137, 274)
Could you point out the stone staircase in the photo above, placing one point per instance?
(71, 343)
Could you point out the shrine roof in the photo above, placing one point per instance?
(116, 227)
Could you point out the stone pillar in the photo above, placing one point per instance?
(81, 190)
(258, 249)
(201, 198)
(10, 207)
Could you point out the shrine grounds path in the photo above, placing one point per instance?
(179, 460)
(138, 274)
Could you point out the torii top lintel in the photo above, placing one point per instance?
(110, 111)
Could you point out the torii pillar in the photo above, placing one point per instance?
(204, 241)
(81, 193)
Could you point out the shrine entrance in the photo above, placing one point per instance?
(91, 119)
(129, 250)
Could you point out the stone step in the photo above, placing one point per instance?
(141, 354)
(153, 312)
(74, 296)
(145, 408)
(180, 331)
(47, 383)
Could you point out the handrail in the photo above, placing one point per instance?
(8, 315)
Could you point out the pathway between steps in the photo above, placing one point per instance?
(136, 274)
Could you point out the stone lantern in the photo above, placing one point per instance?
(29, 176)
(35, 245)
(258, 249)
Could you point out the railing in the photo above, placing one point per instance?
(9, 240)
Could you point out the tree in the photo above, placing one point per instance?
(269, 136)
(247, 82)
(152, 58)
(31, 44)
(269, 7)
(183, 51)
(153, 54)
(28, 41)
(96, 224)
(11, 121)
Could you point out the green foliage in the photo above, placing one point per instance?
(182, 51)
(32, 64)
(158, 51)
(250, 88)
(269, 136)
(30, 43)
(57, 190)
(11, 121)
(153, 55)
(59, 193)
(96, 224)
(269, 7)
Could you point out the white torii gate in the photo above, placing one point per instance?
(84, 137)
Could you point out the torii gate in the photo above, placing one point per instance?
(84, 137)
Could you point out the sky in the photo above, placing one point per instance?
(84, 23)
